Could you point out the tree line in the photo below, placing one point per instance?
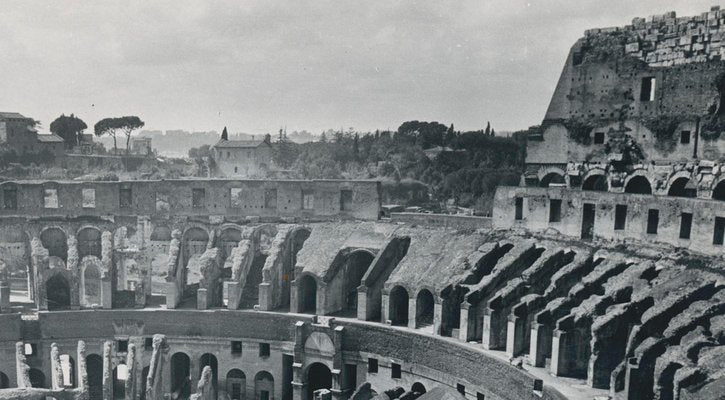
(71, 128)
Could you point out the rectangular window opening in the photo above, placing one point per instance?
(236, 347)
(264, 349)
(10, 199)
(653, 221)
(122, 346)
(555, 210)
(346, 200)
(89, 198)
(519, 208)
(148, 343)
(647, 92)
(685, 225)
(685, 137)
(598, 137)
(620, 217)
(270, 199)
(719, 233)
(372, 365)
(197, 198)
(480, 396)
(125, 197)
(308, 200)
(395, 371)
(51, 198)
(461, 389)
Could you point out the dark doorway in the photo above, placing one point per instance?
(287, 376)
(55, 241)
(588, 221)
(58, 293)
(308, 294)
(180, 375)
(37, 378)
(682, 187)
(89, 243)
(288, 272)
(719, 192)
(354, 269)
(424, 308)
(418, 388)
(236, 384)
(4, 381)
(94, 366)
(719, 232)
(144, 379)
(552, 177)
(597, 183)
(399, 306)
(318, 377)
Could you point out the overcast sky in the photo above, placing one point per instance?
(257, 65)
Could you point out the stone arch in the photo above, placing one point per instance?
(681, 186)
(91, 271)
(94, 366)
(551, 175)
(398, 312)
(424, 308)
(263, 382)
(180, 375)
(318, 377)
(229, 238)
(4, 381)
(638, 184)
(67, 361)
(160, 234)
(89, 242)
(55, 240)
(57, 292)
(16, 255)
(208, 359)
(355, 266)
(320, 343)
(595, 181)
(418, 388)
(236, 384)
(307, 293)
(718, 191)
(37, 378)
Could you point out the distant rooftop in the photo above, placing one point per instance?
(52, 138)
(239, 143)
(11, 115)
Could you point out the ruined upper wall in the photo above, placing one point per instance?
(313, 199)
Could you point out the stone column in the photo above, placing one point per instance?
(337, 392)
(21, 366)
(322, 308)
(299, 386)
(132, 372)
(265, 296)
(385, 309)
(106, 293)
(4, 297)
(537, 344)
(107, 371)
(295, 305)
(82, 370)
(437, 315)
(202, 299)
(233, 290)
(412, 303)
(487, 339)
(172, 294)
(515, 336)
(463, 326)
(558, 353)
(56, 371)
(630, 380)
(362, 303)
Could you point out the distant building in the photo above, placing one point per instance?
(18, 133)
(141, 146)
(242, 158)
(434, 152)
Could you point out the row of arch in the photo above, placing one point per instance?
(679, 186)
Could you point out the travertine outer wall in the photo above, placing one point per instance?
(536, 203)
(269, 199)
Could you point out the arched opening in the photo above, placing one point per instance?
(638, 185)
(37, 378)
(452, 298)
(68, 366)
(288, 272)
(89, 242)
(120, 376)
(91, 283)
(193, 246)
(418, 388)
(210, 360)
(18, 260)
(307, 290)
(719, 192)
(552, 177)
(55, 241)
(356, 265)
(318, 377)
(597, 183)
(180, 375)
(263, 386)
(236, 384)
(94, 366)
(424, 306)
(195, 241)
(4, 381)
(399, 306)
(682, 187)
(159, 249)
(228, 240)
(57, 293)
(250, 291)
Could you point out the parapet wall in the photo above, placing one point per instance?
(536, 215)
(199, 197)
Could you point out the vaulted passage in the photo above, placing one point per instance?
(550, 178)
(424, 308)
(195, 241)
(597, 183)
(353, 271)
(638, 185)
(318, 377)
(399, 306)
(264, 386)
(288, 274)
(250, 292)
(37, 378)
(180, 375)
(236, 384)
(307, 289)
(58, 293)
(228, 240)
(682, 187)
(719, 192)
(91, 284)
